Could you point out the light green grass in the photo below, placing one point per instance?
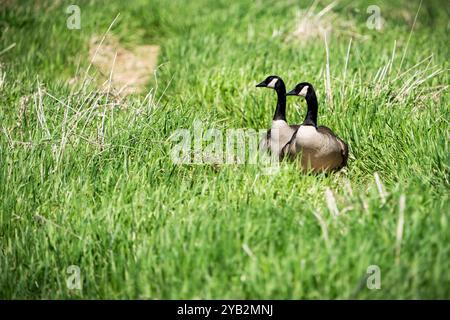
(139, 226)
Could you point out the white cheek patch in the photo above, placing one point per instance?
(304, 91)
(272, 83)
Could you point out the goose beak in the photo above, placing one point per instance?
(291, 93)
(262, 84)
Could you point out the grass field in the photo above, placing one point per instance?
(86, 177)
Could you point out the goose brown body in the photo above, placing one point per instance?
(318, 149)
(277, 137)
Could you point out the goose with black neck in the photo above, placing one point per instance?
(280, 132)
(318, 148)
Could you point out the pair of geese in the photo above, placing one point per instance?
(317, 147)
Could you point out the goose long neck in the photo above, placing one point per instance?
(280, 111)
(311, 114)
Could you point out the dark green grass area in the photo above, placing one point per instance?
(87, 180)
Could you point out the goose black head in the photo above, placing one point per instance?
(303, 89)
(273, 82)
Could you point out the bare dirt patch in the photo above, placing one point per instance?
(129, 69)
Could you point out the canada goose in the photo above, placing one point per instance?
(280, 133)
(320, 148)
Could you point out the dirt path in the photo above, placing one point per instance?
(131, 69)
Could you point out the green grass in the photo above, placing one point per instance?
(112, 202)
